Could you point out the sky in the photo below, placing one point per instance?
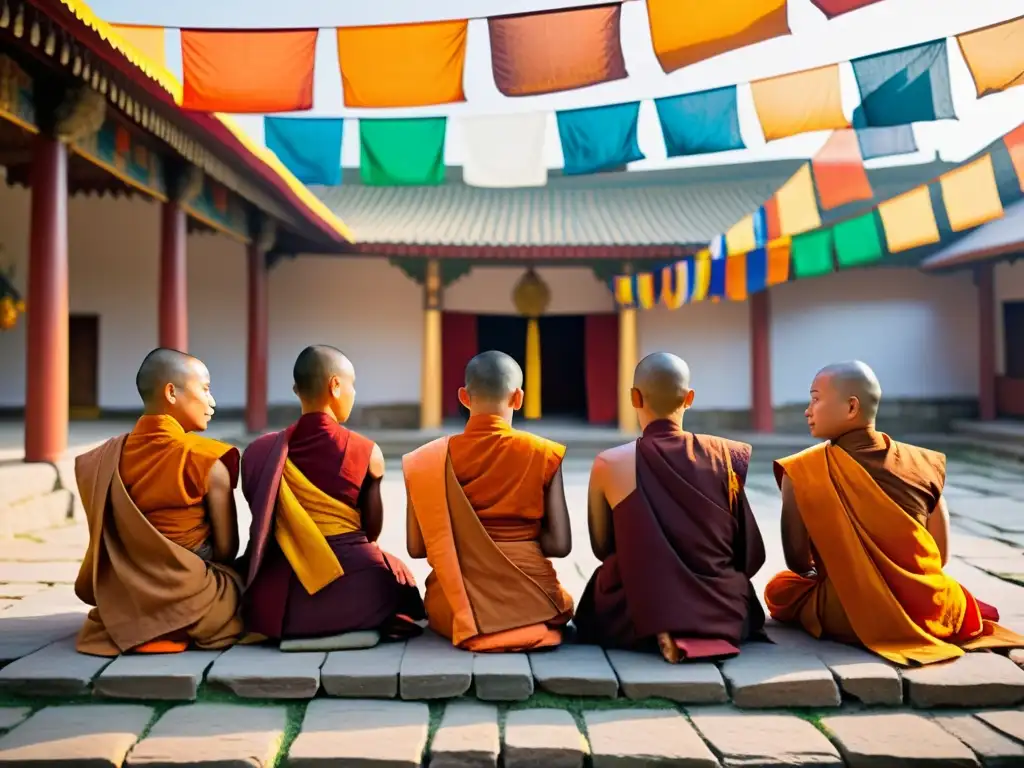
(815, 41)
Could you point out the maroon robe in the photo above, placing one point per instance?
(336, 460)
(683, 554)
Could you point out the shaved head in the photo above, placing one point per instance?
(493, 376)
(855, 379)
(663, 379)
(314, 368)
(161, 367)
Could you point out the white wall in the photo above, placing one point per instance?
(1009, 286)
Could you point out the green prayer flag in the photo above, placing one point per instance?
(858, 241)
(812, 253)
(402, 152)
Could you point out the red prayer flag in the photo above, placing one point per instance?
(839, 173)
(1015, 146)
(833, 8)
(773, 225)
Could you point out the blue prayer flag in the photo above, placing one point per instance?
(717, 247)
(757, 270)
(716, 287)
(883, 142)
(910, 85)
(760, 227)
(698, 123)
(599, 138)
(309, 147)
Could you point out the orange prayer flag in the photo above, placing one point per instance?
(675, 284)
(778, 261)
(151, 42)
(736, 277)
(839, 173)
(799, 103)
(1014, 141)
(247, 72)
(971, 194)
(995, 56)
(536, 53)
(798, 209)
(772, 225)
(909, 220)
(687, 31)
(403, 65)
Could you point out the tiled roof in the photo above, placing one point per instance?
(655, 208)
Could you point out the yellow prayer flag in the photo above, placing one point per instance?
(151, 42)
(701, 275)
(624, 290)
(971, 194)
(909, 220)
(674, 293)
(645, 290)
(995, 56)
(798, 208)
(740, 238)
(799, 102)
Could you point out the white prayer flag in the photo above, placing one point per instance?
(504, 151)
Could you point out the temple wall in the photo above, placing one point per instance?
(1009, 286)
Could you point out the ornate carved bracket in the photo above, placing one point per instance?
(80, 113)
(184, 182)
(416, 269)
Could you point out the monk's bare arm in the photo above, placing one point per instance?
(220, 506)
(414, 543)
(599, 513)
(555, 534)
(796, 544)
(371, 505)
(938, 527)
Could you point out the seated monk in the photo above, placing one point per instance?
(487, 508)
(313, 566)
(160, 507)
(865, 531)
(671, 525)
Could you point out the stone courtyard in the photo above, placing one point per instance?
(794, 702)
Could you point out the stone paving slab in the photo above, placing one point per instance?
(766, 675)
(978, 679)
(218, 735)
(11, 716)
(467, 738)
(263, 672)
(644, 675)
(44, 573)
(543, 738)
(368, 673)
(78, 735)
(22, 635)
(24, 481)
(746, 739)
(1010, 722)
(432, 668)
(628, 738)
(361, 733)
(993, 748)
(17, 590)
(896, 739)
(55, 670)
(1000, 513)
(502, 676)
(168, 677)
(575, 670)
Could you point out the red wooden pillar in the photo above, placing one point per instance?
(985, 280)
(173, 306)
(46, 392)
(762, 415)
(256, 368)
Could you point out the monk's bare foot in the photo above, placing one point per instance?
(668, 648)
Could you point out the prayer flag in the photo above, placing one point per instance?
(812, 254)
(675, 284)
(558, 50)
(886, 142)
(741, 237)
(799, 102)
(248, 72)
(798, 210)
(625, 293)
(760, 227)
(904, 86)
(971, 195)
(757, 270)
(736, 277)
(645, 295)
(402, 152)
(403, 65)
(599, 138)
(309, 147)
(833, 8)
(687, 31)
(701, 275)
(716, 280)
(858, 241)
(839, 174)
(717, 247)
(504, 151)
(1014, 141)
(772, 225)
(779, 257)
(909, 220)
(151, 42)
(698, 123)
(995, 56)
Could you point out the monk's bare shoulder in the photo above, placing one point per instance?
(615, 469)
(376, 468)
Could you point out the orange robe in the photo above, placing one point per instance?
(479, 500)
(879, 572)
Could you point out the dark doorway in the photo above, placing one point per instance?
(1013, 338)
(84, 366)
(563, 366)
